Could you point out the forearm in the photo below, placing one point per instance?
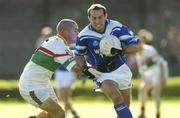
(80, 64)
(77, 69)
(80, 60)
(131, 49)
(90, 72)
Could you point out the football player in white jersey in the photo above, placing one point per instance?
(153, 70)
(34, 83)
(113, 76)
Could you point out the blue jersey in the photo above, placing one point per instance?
(87, 43)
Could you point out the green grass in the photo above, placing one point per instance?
(88, 103)
(9, 90)
(8, 84)
(169, 109)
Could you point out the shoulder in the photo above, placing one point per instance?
(114, 23)
(87, 33)
(150, 48)
(53, 43)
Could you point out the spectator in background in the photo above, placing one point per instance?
(171, 50)
(153, 71)
(46, 32)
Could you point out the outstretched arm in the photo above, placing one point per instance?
(81, 61)
(90, 72)
(132, 49)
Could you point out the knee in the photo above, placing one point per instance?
(117, 98)
(61, 113)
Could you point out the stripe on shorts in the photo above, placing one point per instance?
(35, 98)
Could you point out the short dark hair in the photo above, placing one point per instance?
(96, 7)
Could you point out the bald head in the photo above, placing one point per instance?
(68, 29)
(65, 24)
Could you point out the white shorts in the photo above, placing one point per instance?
(64, 78)
(152, 76)
(35, 85)
(122, 76)
(37, 96)
(166, 69)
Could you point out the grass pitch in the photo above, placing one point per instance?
(91, 110)
(90, 104)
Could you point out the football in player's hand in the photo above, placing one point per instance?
(110, 45)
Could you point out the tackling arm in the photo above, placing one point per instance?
(90, 72)
(81, 61)
(76, 68)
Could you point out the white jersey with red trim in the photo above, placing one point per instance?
(44, 62)
(149, 62)
(147, 58)
(53, 53)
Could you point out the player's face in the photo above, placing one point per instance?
(73, 32)
(97, 19)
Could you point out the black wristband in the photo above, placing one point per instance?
(88, 74)
(115, 51)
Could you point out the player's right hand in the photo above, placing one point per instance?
(91, 73)
(115, 51)
(110, 45)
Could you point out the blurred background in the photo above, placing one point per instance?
(22, 20)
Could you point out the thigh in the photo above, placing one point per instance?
(64, 93)
(156, 91)
(145, 86)
(110, 88)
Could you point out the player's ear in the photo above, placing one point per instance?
(65, 33)
(106, 15)
(89, 18)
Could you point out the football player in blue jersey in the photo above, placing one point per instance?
(111, 73)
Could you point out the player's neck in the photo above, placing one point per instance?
(62, 38)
